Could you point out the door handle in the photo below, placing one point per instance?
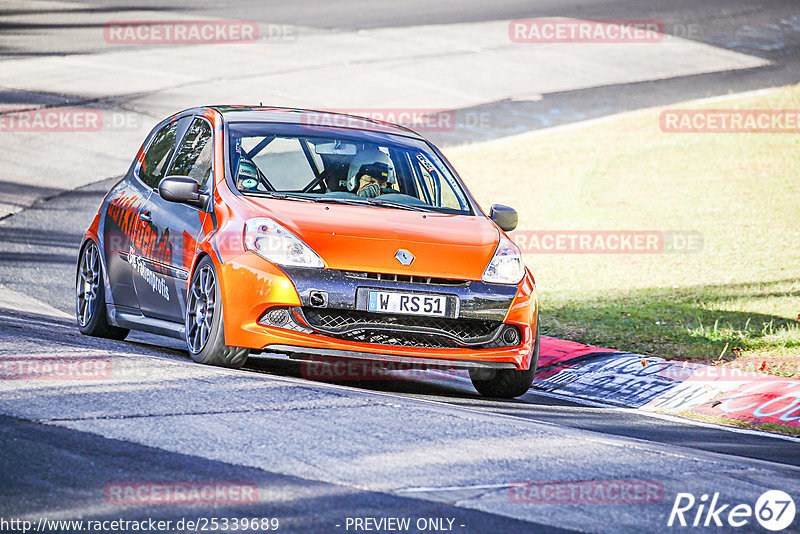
(145, 216)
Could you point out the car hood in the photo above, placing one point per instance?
(366, 239)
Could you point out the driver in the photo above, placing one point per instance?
(373, 180)
(370, 173)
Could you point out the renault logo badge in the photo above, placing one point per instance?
(404, 257)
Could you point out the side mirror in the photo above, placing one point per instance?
(182, 189)
(505, 217)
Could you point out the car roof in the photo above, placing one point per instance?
(310, 117)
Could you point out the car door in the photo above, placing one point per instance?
(145, 239)
(120, 224)
(125, 229)
(179, 228)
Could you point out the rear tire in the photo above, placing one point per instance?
(506, 383)
(205, 333)
(90, 297)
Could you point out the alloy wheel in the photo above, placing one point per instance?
(88, 283)
(200, 309)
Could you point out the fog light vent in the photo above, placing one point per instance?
(282, 317)
(278, 316)
(511, 336)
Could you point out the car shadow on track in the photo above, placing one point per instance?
(389, 383)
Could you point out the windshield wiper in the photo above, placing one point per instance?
(369, 202)
(340, 200)
(280, 196)
(389, 203)
(361, 201)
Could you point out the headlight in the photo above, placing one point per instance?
(275, 243)
(506, 266)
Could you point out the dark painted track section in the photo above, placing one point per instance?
(88, 463)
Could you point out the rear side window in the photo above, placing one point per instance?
(155, 161)
(195, 155)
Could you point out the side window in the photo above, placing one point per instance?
(196, 154)
(158, 155)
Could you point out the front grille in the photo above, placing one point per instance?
(410, 279)
(401, 330)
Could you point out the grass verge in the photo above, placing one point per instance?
(766, 427)
(737, 299)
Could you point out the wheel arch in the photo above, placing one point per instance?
(107, 327)
(201, 254)
(196, 261)
(92, 238)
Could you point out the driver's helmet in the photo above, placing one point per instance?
(373, 162)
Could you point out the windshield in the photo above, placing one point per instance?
(329, 169)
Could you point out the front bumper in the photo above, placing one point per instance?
(251, 286)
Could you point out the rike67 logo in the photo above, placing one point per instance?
(774, 510)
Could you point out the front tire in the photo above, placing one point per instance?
(205, 333)
(506, 383)
(90, 297)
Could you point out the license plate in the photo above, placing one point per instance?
(407, 303)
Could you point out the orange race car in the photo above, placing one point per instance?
(247, 230)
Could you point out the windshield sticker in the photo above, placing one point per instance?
(425, 163)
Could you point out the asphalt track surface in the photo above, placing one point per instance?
(37, 248)
(324, 452)
(45, 265)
